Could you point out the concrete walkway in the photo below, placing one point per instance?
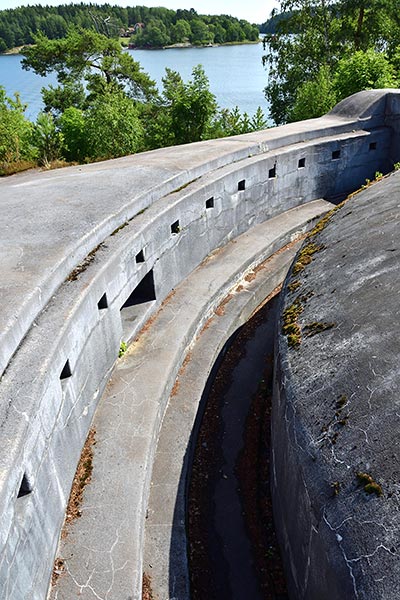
(103, 549)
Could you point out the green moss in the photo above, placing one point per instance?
(123, 347)
(185, 185)
(370, 486)
(305, 256)
(317, 327)
(290, 328)
(120, 227)
(292, 287)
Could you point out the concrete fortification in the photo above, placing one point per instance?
(144, 249)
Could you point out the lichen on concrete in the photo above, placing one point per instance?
(337, 417)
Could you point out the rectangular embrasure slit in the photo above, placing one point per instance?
(272, 172)
(25, 488)
(175, 227)
(136, 305)
(241, 185)
(335, 154)
(66, 371)
(143, 292)
(302, 163)
(139, 258)
(210, 202)
(103, 302)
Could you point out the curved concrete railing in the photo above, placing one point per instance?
(88, 254)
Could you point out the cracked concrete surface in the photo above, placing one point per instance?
(336, 409)
(52, 222)
(103, 549)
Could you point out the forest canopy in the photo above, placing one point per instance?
(147, 27)
(318, 52)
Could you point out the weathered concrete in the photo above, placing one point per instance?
(336, 409)
(165, 555)
(88, 255)
(54, 220)
(103, 553)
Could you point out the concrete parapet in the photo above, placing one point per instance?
(88, 255)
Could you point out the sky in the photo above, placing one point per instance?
(251, 10)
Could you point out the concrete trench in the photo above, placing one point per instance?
(94, 255)
(232, 543)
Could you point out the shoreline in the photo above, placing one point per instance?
(183, 45)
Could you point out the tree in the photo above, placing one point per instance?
(363, 71)
(92, 57)
(112, 127)
(314, 98)
(181, 31)
(311, 38)
(186, 112)
(15, 130)
(301, 45)
(72, 128)
(201, 33)
(60, 98)
(46, 139)
(232, 122)
(154, 35)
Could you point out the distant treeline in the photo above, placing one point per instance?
(272, 25)
(145, 26)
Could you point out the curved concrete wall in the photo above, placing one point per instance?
(335, 414)
(88, 254)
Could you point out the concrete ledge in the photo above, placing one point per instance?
(62, 216)
(89, 254)
(103, 552)
(165, 553)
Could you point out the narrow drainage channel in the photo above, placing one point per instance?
(233, 551)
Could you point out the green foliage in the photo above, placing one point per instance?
(154, 35)
(180, 32)
(161, 26)
(201, 33)
(89, 56)
(186, 112)
(72, 127)
(232, 122)
(314, 98)
(363, 71)
(335, 45)
(47, 139)
(60, 98)
(123, 347)
(15, 130)
(112, 127)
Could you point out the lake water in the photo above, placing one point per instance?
(236, 75)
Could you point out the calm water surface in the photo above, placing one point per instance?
(236, 75)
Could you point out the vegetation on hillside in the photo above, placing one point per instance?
(322, 51)
(105, 106)
(147, 27)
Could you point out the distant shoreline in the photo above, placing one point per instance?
(189, 45)
(17, 49)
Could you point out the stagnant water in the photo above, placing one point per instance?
(233, 549)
